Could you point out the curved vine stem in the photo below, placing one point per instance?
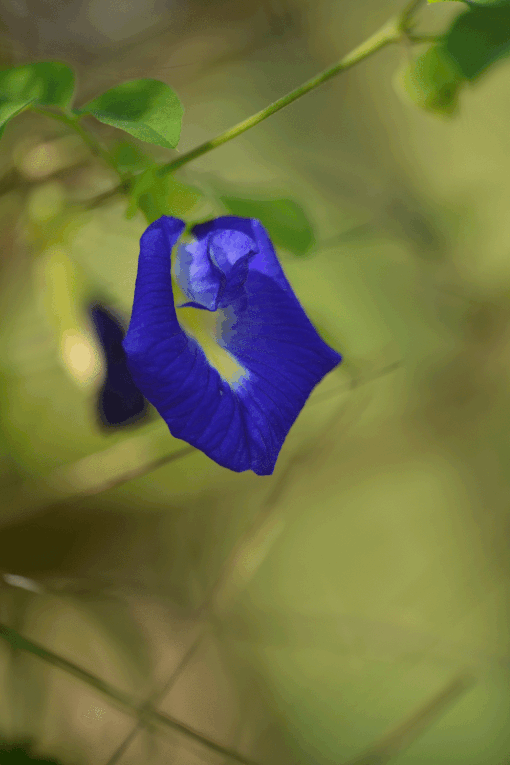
(393, 31)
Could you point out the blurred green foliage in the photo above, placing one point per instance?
(129, 157)
(475, 40)
(45, 83)
(479, 38)
(433, 81)
(156, 195)
(285, 220)
(19, 754)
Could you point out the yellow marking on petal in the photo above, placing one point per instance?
(202, 326)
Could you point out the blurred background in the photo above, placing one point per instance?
(356, 602)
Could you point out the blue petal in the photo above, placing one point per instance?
(198, 277)
(119, 401)
(232, 267)
(212, 270)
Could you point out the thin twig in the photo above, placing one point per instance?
(261, 534)
(401, 737)
(156, 696)
(145, 713)
(108, 196)
(63, 484)
(121, 699)
(13, 179)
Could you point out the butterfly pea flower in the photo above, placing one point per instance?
(119, 401)
(230, 268)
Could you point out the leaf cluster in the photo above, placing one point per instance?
(149, 111)
(146, 109)
(475, 41)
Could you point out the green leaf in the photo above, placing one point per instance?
(478, 38)
(157, 195)
(433, 80)
(286, 222)
(45, 83)
(146, 109)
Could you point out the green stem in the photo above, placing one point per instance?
(391, 32)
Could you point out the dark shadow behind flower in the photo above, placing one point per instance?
(119, 401)
(232, 269)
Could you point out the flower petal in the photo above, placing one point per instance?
(198, 277)
(119, 400)
(243, 423)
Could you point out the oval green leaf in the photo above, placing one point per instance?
(478, 38)
(433, 80)
(146, 109)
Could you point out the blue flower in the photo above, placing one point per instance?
(119, 402)
(231, 268)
